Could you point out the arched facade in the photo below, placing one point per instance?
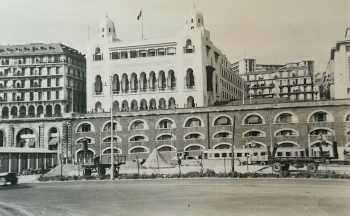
(223, 120)
(253, 119)
(85, 127)
(192, 122)
(320, 116)
(285, 117)
(138, 149)
(138, 124)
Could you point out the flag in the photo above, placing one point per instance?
(139, 15)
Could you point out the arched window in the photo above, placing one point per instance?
(143, 81)
(125, 83)
(172, 103)
(193, 122)
(320, 116)
(125, 106)
(166, 124)
(321, 132)
(5, 112)
(2, 138)
(222, 134)
(190, 83)
(22, 111)
(254, 145)
(25, 138)
(116, 84)
(85, 156)
(162, 103)
(165, 137)
(98, 85)
(138, 125)
(253, 119)
(254, 133)
(107, 140)
(286, 133)
(152, 81)
(53, 139)
(98, 107)
(40, 110)
(116, 106)
(166, 148)
(285, 118)
(58, 111)
(161, 80)
(107, 126)
(347, 117)
(108, 151)
(223, 146)
(143, 105)
(222, 121)
(193, 136)
(171, 79)
(138, 138)
(48, 110)
(153, 104)
(31, 111)
(134, 82)
(194, 147)
(190, 102)
(85, 128)
(14, 111)
(287, 145)
(138, 149)
(134, 105)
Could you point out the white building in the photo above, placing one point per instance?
(338, 69)
(184, 71)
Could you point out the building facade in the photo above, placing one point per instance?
(337, 77)
(184, 71)
(41, 80)
(292, 126)
(293, 81)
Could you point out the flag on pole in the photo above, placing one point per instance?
(139, 16)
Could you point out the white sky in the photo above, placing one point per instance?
(272, 31)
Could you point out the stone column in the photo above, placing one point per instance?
(10, 136)
(10, 162)
(37, 161)
(19, 163)
(41, 137)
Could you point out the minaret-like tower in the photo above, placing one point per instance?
(107, 31)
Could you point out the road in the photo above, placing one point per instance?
(172, 197)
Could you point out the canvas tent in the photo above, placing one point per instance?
(155, 160)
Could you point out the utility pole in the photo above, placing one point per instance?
(232, 147)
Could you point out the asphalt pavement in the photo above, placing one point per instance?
(170, 197)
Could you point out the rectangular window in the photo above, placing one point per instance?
(57, 95)
(31, 96)
(161, 52)
(40, 95)
(115, 55)
(48, 96)
(57, 82)
(48, 82)
(239, 154)
(124, 55)
(142, 53)
(171, 51)
(133, 54)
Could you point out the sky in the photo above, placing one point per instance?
(272, 31)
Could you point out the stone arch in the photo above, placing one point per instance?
(222, 134)
(193, 136)
(138, 149)
(2, 138)
(26, 138)
(322, 131)
(166, 148)
(40, 110)
(125, 83)
(138, 124)
(223, 120)
(106, 127)
(165, 137)
(48, 110)
(254, 133)
(85, 157)
(31, 111)
(85, 127)
(116, 140)
(53, 138)
(138, 138)
(165, 123)
(58, 110)
(152, 81)
(288, 144)
(320, 116)
(286, 132)
(285, 117)
(222, 146)
(116, 107)
(190, 102)
(14, 111)
(134, 82)
(116, 84)
(193, 121)
(107, 151)
(22, 111)
(5, 112)
(194, 147)
(254, 144)
(253, 119)
(152, 104)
